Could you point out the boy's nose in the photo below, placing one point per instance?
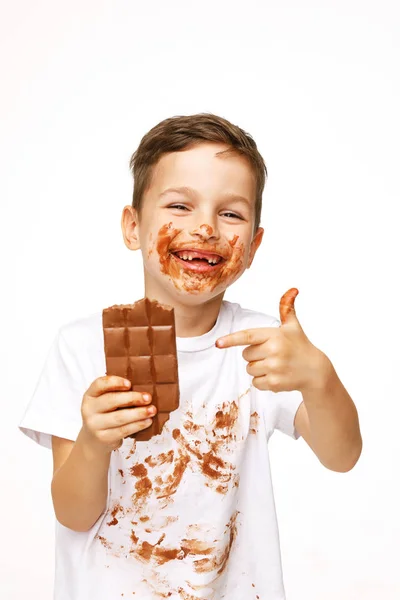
(205, 231)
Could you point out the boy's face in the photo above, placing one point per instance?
(196, 223)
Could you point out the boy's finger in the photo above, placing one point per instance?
(120, 418)
(119, 400)
(246, 337)
(131, 428)
(108, 383)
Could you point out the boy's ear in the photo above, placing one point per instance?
(130, 227)
(258, 236)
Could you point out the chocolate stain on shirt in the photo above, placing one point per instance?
(138, 470)
(212, 561)
(217, 470)
(185, 596)
(164, 457)
(169, 487)
(254, 421)
(226, 417)
(218, 562)
(204, 448)
(143, 486)
(131, 451)
(104, 542)
(114, 511)
(134, 537)
(162, 554)
(190, 426)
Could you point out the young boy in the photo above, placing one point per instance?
(189, 514)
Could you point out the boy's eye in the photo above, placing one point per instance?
(179, 206)
(232, 215)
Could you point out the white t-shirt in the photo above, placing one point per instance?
(190, 513)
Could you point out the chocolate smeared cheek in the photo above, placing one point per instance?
(164, 238)
(235, 264)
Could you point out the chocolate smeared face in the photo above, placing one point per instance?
(196, 228)
(195, 267)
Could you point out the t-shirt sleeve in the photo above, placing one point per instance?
(55, 407)
(287, 405)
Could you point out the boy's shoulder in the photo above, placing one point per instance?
(83, 333)
(245, 318)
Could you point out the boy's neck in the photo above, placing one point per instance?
(190, 320)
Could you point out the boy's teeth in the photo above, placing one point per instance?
(188, 256)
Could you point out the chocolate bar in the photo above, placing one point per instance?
(140, 345)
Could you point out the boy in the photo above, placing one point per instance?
(190, 513)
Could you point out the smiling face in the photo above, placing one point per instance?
(196, 224)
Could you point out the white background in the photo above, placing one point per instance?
(317, 85)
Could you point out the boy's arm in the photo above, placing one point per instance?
(80, 480)
(328, 422)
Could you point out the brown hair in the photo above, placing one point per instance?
(183, 132)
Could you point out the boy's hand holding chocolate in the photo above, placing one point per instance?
(103, 425)
(281, 358)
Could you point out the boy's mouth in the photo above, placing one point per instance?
(196, 260)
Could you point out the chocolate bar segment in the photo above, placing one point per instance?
(140, 345)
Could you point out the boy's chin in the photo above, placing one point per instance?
(197, 298)
(185, 296)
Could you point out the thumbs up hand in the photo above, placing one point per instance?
(280, 358)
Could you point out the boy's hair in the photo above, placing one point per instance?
(183, 132)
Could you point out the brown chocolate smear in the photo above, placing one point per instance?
(164, 457)
(185, 596)
(116, 509)
(170, 486)
(176, 434)
(194, 547)
(227, 417)
(104, 542)
(145, 551)
(134, 537)
(191, 427)
(210, 466)
(232, 526)
(254, 421)
(143, 486)
(143, 489)
(163, 555)
(139, 470)
(219, 562)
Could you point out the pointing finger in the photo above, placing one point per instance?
(246, 337)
